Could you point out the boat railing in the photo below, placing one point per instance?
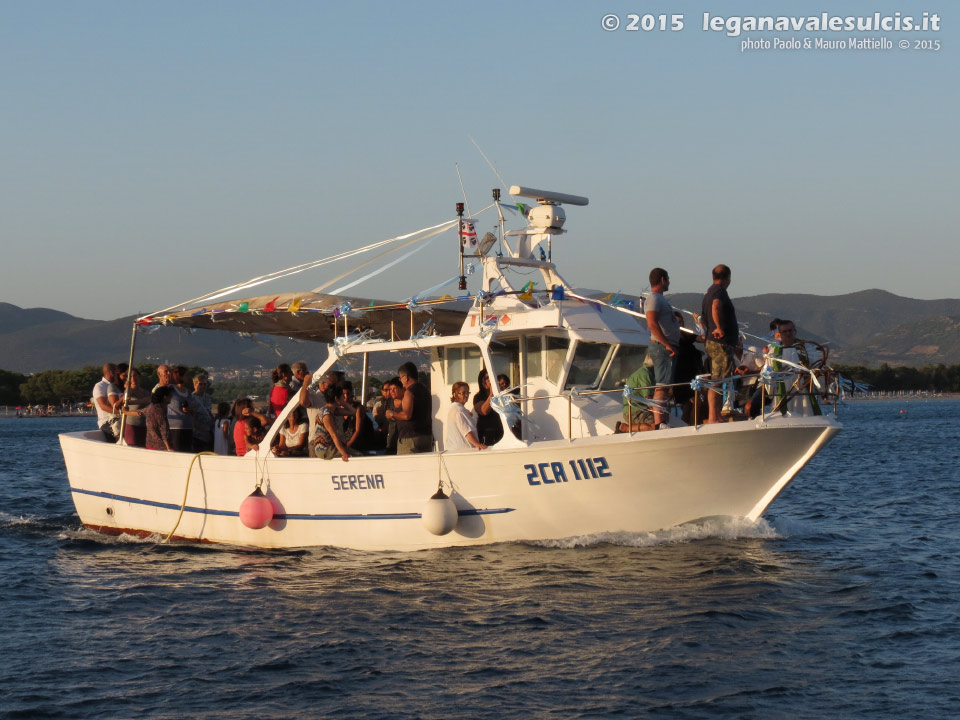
(780, 398)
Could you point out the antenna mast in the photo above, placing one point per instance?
(463, 277)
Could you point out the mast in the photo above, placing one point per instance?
(126, 390)
(463, 277)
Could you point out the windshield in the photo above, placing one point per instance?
(627, 361)
(589, 363)
(602, 366)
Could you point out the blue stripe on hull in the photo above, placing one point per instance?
(287, 516)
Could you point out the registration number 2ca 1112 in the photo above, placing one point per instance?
(548, 473)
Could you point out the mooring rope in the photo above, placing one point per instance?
(185, 489)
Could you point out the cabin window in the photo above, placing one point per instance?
(590, 361)
(506, 359)
(627, 360)
(462, 364)
(533, 346)
(556, 357)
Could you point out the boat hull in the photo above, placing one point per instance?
(549, 490)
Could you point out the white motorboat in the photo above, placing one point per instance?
(565, 473)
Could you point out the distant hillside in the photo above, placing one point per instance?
(14, 318)
(924, 341)
(38, 339)
(869, 328)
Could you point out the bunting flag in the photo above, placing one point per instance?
(243, 307)
(272, 305)
(201, 311)
(527, 291)
(145, 321)
(557, 293)
(607, 298)
(294, 305)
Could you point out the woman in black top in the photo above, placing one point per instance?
(489, 425)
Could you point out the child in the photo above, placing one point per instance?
(245, 434)
(221, 430)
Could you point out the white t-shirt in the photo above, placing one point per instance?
(292, 438)
(460, 422)
(221, 444)
(799, 405)
(102, 390)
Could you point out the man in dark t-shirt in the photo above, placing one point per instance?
(722, 333)
(414, 421)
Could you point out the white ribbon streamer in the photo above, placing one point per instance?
(276, 275)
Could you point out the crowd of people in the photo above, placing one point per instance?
(328, 422)
(173, 418)
(736, 391)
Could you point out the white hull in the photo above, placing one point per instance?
(548, 490)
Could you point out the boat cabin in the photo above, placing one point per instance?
(563, 356)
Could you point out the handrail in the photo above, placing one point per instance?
(794, 392)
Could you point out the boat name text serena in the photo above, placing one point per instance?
(357, 482)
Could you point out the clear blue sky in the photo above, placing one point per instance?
(151, 151)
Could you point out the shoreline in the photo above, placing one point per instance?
(13, 414)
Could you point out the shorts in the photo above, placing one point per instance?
(330, 452)
(416, 444)
(641, 414)
(664, 364)
(721, 359)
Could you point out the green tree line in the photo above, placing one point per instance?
(57, 387)
(932, 378)
(10, 383)
(60, 387)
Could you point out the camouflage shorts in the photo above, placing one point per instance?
(641, 414)
(721, 359)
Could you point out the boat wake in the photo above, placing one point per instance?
(728, 528)
(35, 525)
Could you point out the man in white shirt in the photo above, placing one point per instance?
(795, 395)
(102, 402)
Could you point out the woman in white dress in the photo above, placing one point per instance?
(461, 427)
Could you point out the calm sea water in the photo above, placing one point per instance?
(842, 603)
